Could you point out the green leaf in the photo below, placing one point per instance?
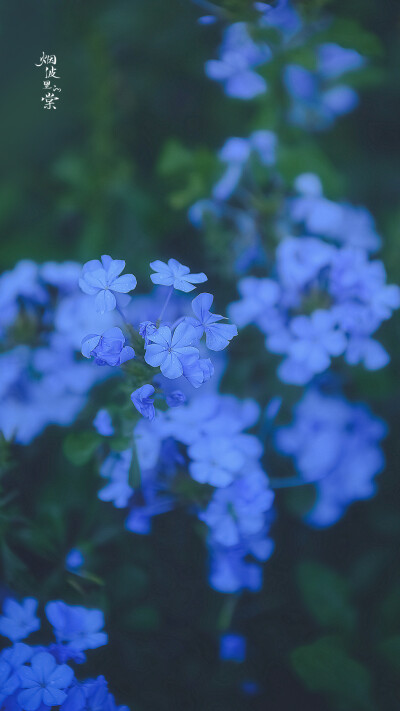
(79, 447)
(326, 667)
(326, 595)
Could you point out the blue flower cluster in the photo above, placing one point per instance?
(327, 273)
(173, 347)
(239, 55)
(335, 445)
(322, 296)
(40, 678)
(316, 97)
(43, 317)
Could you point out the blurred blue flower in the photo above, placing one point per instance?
(103, 423)
(116, 468)
(74, 560)
(19, 619)
(334, 444)
(232, 647)
(175, 398)
(76, 626)
(238, 55)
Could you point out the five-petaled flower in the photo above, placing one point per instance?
(43, 682)
(175, 274)
(218, 335)
(169, 351)
(103, 280)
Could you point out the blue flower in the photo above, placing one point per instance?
(103, 423)
(197, 370)
(232, 647)
(116, 468)
(334, 60)
(168, 350)
(76, 626)
(238, 55)
(217, 460)
(74, 560)
(334, 444)
(11, 661)
(103, 280)
(146, 329)
(175, 274)
(230, 573)
(92, 695)
(108, 349)
(44, 682)
(237, 512)
(19, 619)
(175, 398)
(218, 335)
(143, 402)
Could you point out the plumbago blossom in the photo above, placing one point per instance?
(323, 295)
(43, 318)
(329, 266)
(317, 295)
(335, 445)
(316, 97)
(41, 677)
(185, 434)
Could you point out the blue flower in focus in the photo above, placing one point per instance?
(238, 55)
(175, 274)
(19, 619)
(218, 335)
(108, 349)
(143, 401)
(232, 647)
(168, 350)
(103, 423)
(44, 682)
(103, 280)
(76, 626)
